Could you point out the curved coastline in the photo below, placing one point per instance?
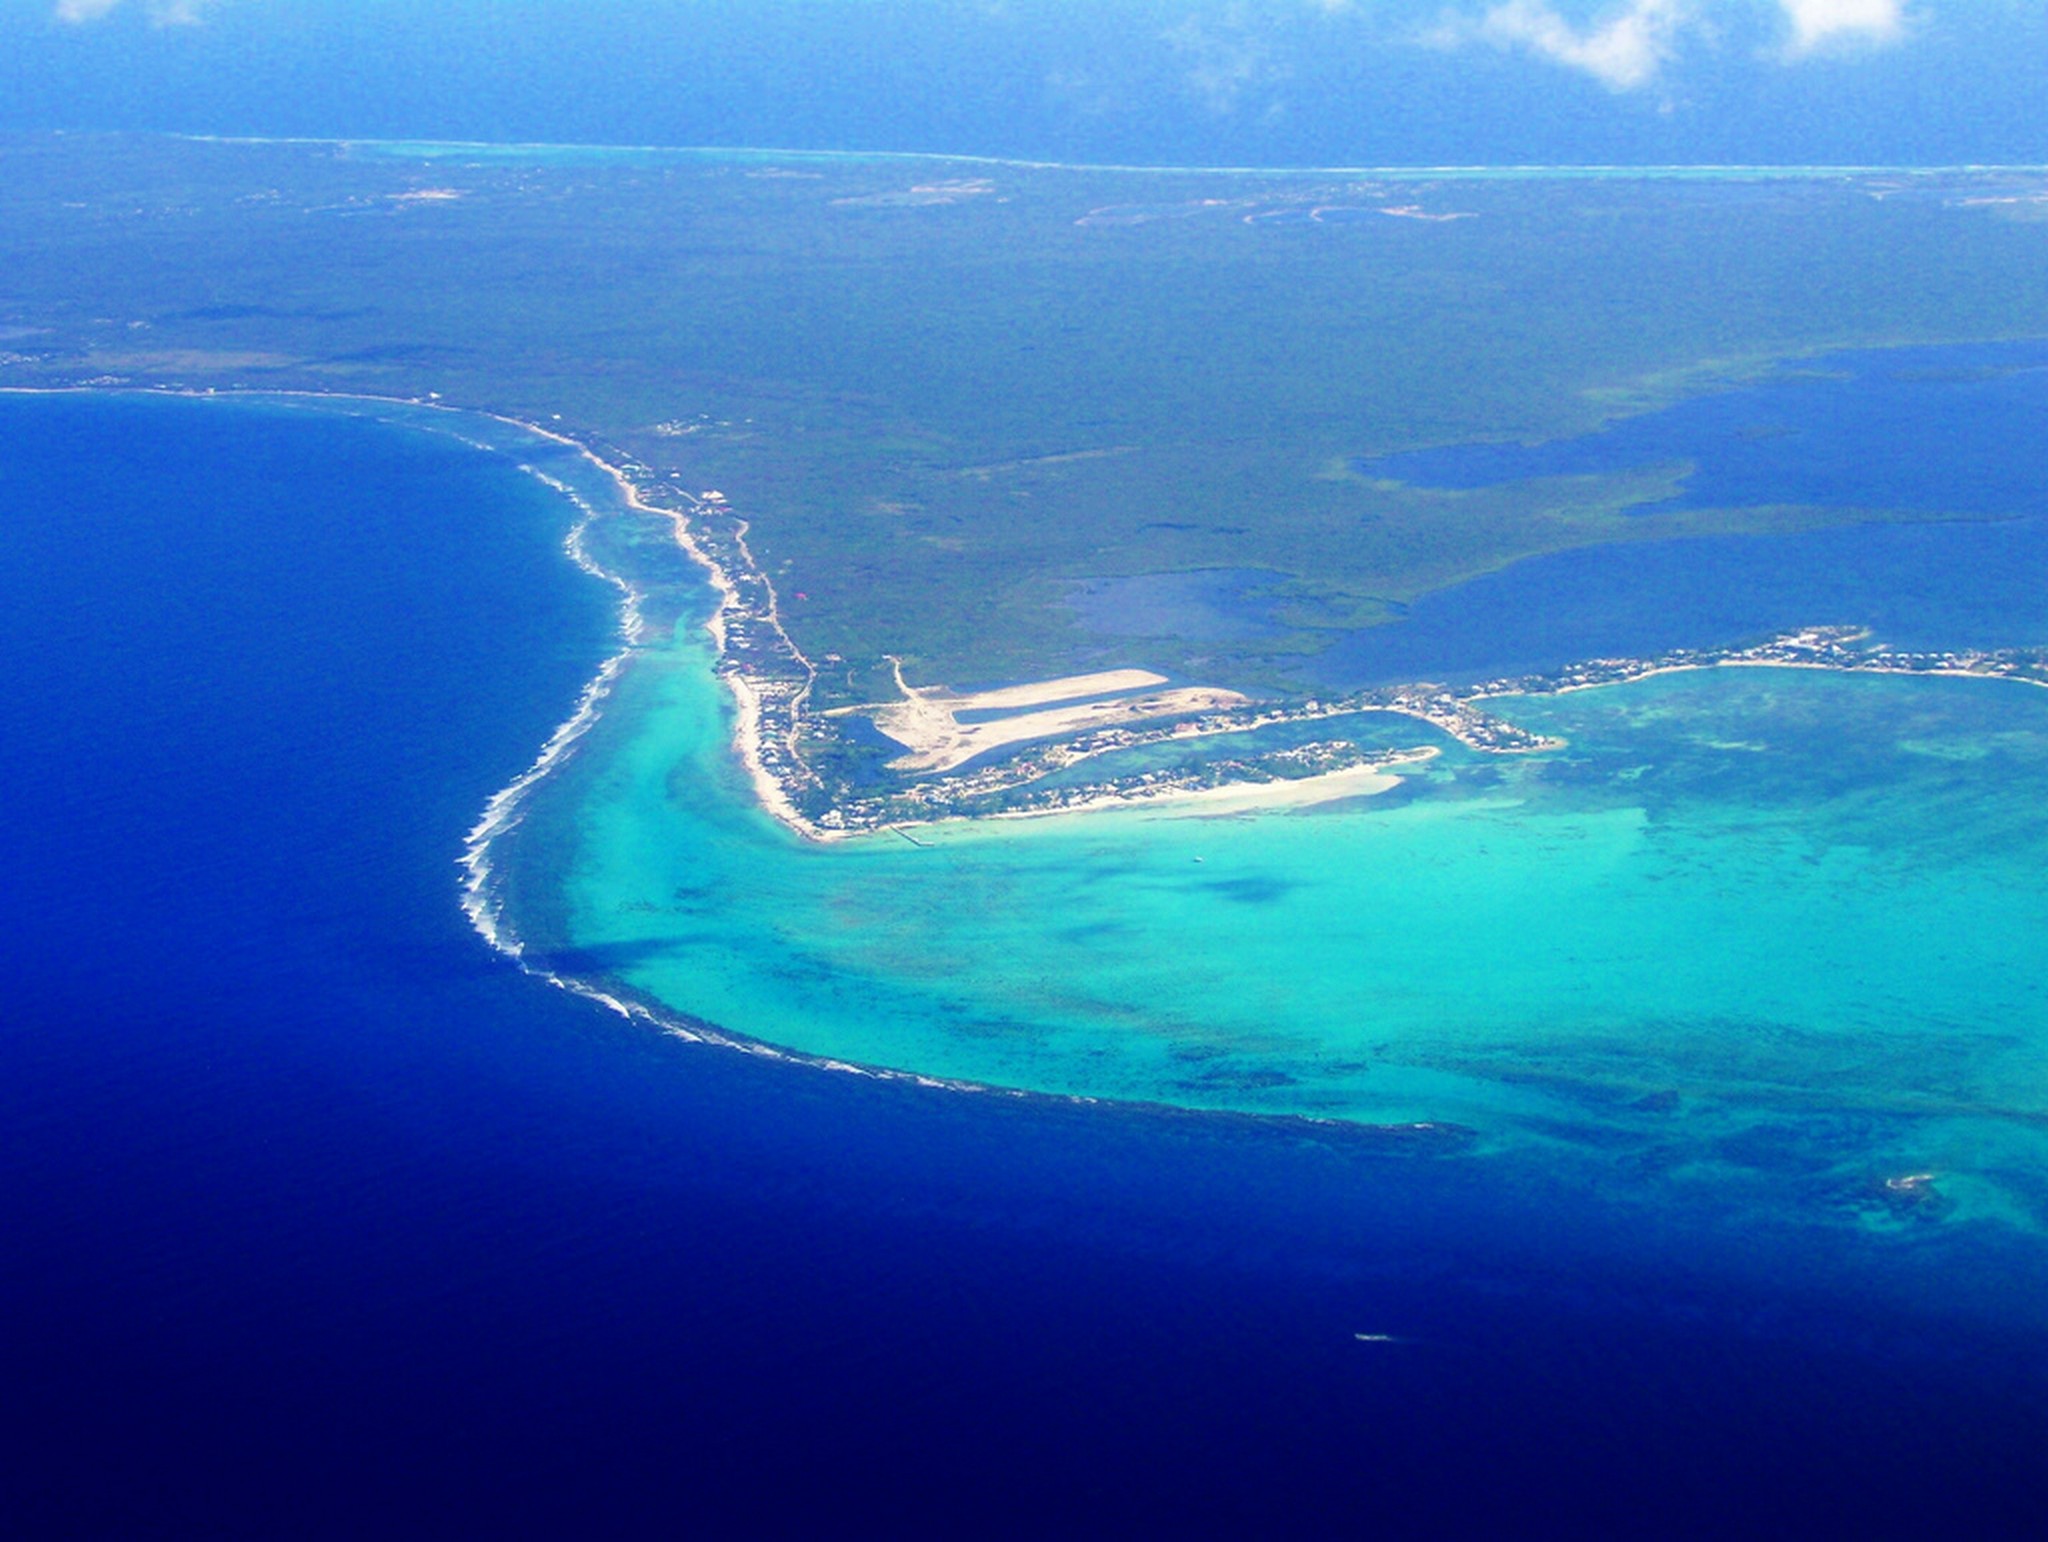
(481, 901)
(1334, 1202)
(481, 895)
(503, 811)
(773, 763)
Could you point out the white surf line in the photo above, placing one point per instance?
(768, 789)
(502, 812)
(1667, 170)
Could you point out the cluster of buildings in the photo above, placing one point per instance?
(1008, 785)
(1814, 647)
(773, 680)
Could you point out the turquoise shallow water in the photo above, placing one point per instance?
(319, 1213)
(1769, 932)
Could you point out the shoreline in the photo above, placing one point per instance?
(770, 704)
(1225, 798)
(1938, 672)
(768, 790)
(750, 698)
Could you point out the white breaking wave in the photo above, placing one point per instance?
(502, 814)
(505, 810)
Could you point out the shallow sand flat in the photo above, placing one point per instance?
(1239, 797)
(1504, 919)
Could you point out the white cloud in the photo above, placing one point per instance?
(1823, 24)
(1224, 62)
(1623, 48)
(1627, 46)
(161, 13)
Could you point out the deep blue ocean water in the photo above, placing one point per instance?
(320, 1217)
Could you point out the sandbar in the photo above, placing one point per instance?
(1241, 797)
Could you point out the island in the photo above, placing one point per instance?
(987, 753)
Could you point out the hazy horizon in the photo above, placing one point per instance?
(1302, 83)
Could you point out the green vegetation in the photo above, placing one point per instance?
(939, 409)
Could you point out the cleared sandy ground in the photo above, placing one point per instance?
(927, 721)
